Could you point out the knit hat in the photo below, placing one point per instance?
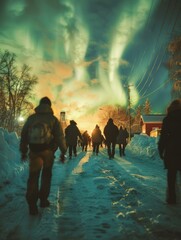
(110, 120)
(45, 100)
(73, 122)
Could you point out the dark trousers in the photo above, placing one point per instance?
(111, 149)
(40, 163)
(95, 147)
(72, 148)
(171, 184)
(122, 149)
(84, 147)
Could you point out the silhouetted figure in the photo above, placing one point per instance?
(41, 135)
(169, 146)
(85, 141)
(89, 142)
(122, 140)
(102, 141)
(111, 133)
(71, 135)
(96, 139)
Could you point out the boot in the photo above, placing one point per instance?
(124, 151)
(33, 210)
(44, 203)
(120, 151)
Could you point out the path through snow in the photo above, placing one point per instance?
(94, 198)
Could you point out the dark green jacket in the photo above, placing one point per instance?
(43, 113)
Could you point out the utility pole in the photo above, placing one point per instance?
(63, 119)
(129, 108)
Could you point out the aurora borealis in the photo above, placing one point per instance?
(85, 52)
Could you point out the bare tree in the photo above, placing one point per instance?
(136, 127)
(174, 66)
(117, 113)
(16, 88)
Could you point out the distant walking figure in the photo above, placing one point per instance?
(85, 141)
(111, 133)
(96, 139)
(122, 140)
(169, 147)
(71, 135)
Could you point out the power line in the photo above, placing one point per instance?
(161, 86)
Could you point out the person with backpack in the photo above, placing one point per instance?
(72, 133)
(169, 147)
(122, 140)
(111, 133)
(41, 136)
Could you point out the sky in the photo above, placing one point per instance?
(91, 196)
(86, 53)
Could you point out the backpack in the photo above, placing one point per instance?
(39, 133)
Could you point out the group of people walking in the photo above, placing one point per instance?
(42, 135)
(111, 136)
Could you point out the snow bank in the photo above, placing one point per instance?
(9, 156)
(10, 165)
(144, 145)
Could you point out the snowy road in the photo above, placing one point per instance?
(94, 198)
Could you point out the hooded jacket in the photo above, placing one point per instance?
(44, 113)
(122, 136)
(169, 144)
(111, 131)
(72, 133)
(97, 135)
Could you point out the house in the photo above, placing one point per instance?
(151, 124)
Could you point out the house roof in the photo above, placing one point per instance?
(153, 118)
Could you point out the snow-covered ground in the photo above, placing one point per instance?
(91, 197)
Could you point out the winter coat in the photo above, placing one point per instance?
(169, 144)
(97, 135)
(111, 132)
(85, 138)
(122, 136)
(71, 134)
(44, 113)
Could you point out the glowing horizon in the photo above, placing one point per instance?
(85, 53)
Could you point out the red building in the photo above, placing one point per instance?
(151, 124)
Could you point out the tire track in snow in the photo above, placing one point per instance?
(86, 215)
(136, 194)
